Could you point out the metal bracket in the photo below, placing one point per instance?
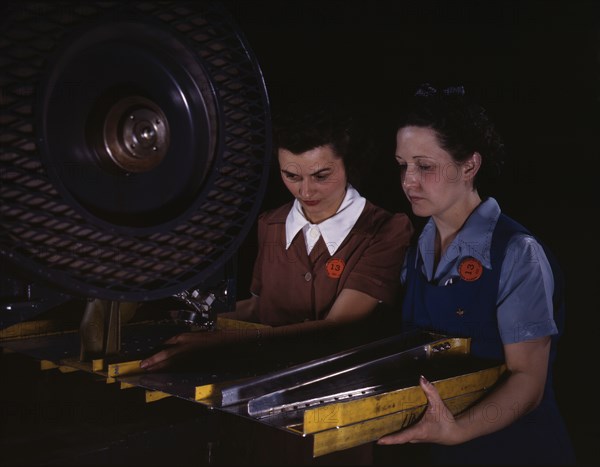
(100, 328)
(201, 308)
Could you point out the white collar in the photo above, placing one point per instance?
(334, 230)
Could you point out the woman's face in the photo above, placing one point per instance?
(432, 181)
(316, 178)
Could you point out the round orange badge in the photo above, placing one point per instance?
(470, 269)
(335, 267)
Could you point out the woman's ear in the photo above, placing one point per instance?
(471, 166)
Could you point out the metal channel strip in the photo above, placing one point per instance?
(367, 378)
(324, 368)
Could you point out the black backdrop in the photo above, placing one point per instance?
(533, 64)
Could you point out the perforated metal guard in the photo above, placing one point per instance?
(44, 234)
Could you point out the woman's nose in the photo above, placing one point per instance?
(306, 189)
(409, 177)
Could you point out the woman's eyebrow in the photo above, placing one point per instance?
(324, 169)
(288, 172)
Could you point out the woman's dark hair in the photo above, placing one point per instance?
(302, 126)
(462, 127)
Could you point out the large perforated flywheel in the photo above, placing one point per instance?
(134, 144)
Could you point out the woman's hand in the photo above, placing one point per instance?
(181, 345)
(518, 394)
(436, 426)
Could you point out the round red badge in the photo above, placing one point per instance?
(470, 269)
(335, 267)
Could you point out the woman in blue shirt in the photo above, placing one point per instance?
(475, 272)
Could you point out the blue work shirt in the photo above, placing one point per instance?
(524, 302)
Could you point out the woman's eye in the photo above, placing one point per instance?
(321, 177)
(426, 168)
(402, 165)
(292, 177)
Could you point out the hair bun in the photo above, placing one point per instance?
(427, 90)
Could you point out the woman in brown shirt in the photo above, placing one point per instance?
(327, 258)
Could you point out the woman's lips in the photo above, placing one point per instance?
(415, 199)
(310, 203)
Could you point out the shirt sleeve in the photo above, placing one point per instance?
(256, 283)
(525, 309)
(377, 273)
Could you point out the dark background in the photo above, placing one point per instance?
(533, 64)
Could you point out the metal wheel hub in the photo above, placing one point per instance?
(135, 135)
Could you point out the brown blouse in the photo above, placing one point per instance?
(293, 287)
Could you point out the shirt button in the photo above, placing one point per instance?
(314, 233)
(307, 276)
